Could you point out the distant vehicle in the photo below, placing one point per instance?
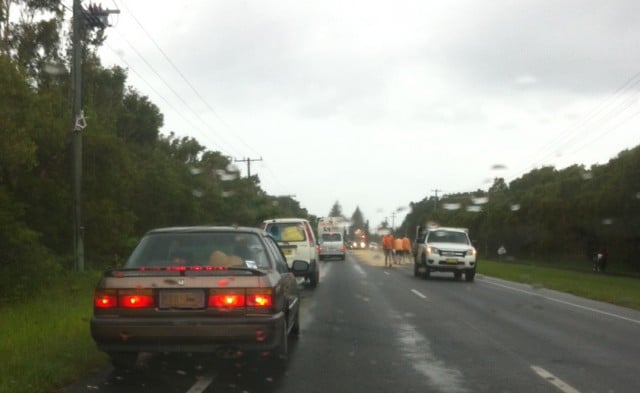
(185, 289)
(373, 246)
(297, 241)
(446, 250)
(331, 245)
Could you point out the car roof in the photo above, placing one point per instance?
(450, 229)
(203, 228)
(290, 219)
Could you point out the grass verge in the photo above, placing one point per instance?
(623, 291)
(46, 342)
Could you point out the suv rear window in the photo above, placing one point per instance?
(331, 237)
(287, 231)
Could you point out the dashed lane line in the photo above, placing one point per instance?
(419, 294)
(202, 384)
(555, 381)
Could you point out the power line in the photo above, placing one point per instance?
(249, 161)
(197, 93)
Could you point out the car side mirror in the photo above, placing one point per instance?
(299, 268)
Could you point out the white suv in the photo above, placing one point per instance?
(443, 249)
(297, 242)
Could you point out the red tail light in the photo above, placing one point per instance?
(137, 298)
(105, 298)
(126, 298)
(260, 298)
(227, 298)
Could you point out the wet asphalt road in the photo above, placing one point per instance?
(370, 329)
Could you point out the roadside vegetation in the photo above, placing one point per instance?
(614, 289)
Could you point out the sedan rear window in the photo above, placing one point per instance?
(331, 237)
(221, 249)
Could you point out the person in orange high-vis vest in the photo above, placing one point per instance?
(406, 248)
(387, 246)
(397, 250)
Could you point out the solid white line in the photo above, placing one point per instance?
(202, 384)
(387, 273)
(555, 381)
(417, 293)
(595, 310)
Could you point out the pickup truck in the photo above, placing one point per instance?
(444, 249)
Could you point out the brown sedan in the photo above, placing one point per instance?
(225, 290)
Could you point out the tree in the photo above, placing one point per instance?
(336, 210)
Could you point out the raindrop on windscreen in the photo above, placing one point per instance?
(54, 69)
(498, 167)
(195, 171)
(451, 206)
(226, 194)
(232, 168)
(480, 200)
(197, 193)
(275, 203)
(638, 195)
(515, 207)
(587, 175)
(474, 209)
(607, 221)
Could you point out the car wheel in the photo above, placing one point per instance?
(427, 272)
(295, 329)
(282, 350)
(457, 275)
(314, 277)
(469, 275)
(415, 270)
(123, 360)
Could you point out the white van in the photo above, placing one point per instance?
(297, 242)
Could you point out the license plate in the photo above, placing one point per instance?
(452, 260)
(182, 299)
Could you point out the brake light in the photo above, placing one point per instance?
(126, 298)
(259, 298)
(137, 298)
(105, 298)
(228, 298)
(342, 248)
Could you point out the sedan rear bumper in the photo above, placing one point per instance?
(261, 333)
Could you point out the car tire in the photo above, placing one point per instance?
(427, 272)
(281, 353)
(123, 360)
(295, 329)
(315, 276)
(416, 273)
(469, 275)
(458, 275)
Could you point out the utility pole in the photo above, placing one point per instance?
(248, 161)
(393, 220)
(435, 209)
(95, 17)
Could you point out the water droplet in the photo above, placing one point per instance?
(474, 209)
(607, 221)
(480, 200)
(451, 206)
(515, 207)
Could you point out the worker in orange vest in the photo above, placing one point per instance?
(387, 246)
(406, 248)
(397, 250)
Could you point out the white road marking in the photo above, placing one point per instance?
(555, 381)
(359, 269)
(387, 273)
(417, 349)
(595, 310)
(202, 384)
(417, 293)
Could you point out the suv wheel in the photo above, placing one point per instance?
(416, 273)
(427, 272)
(457, 275)
(470, 274)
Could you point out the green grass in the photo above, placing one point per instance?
(623, 291)
(46, 342)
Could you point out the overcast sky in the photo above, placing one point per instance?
(378, 103)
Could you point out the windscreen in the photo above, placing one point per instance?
(447, 237)
(220, 249)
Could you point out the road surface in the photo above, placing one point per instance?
(366, 328)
